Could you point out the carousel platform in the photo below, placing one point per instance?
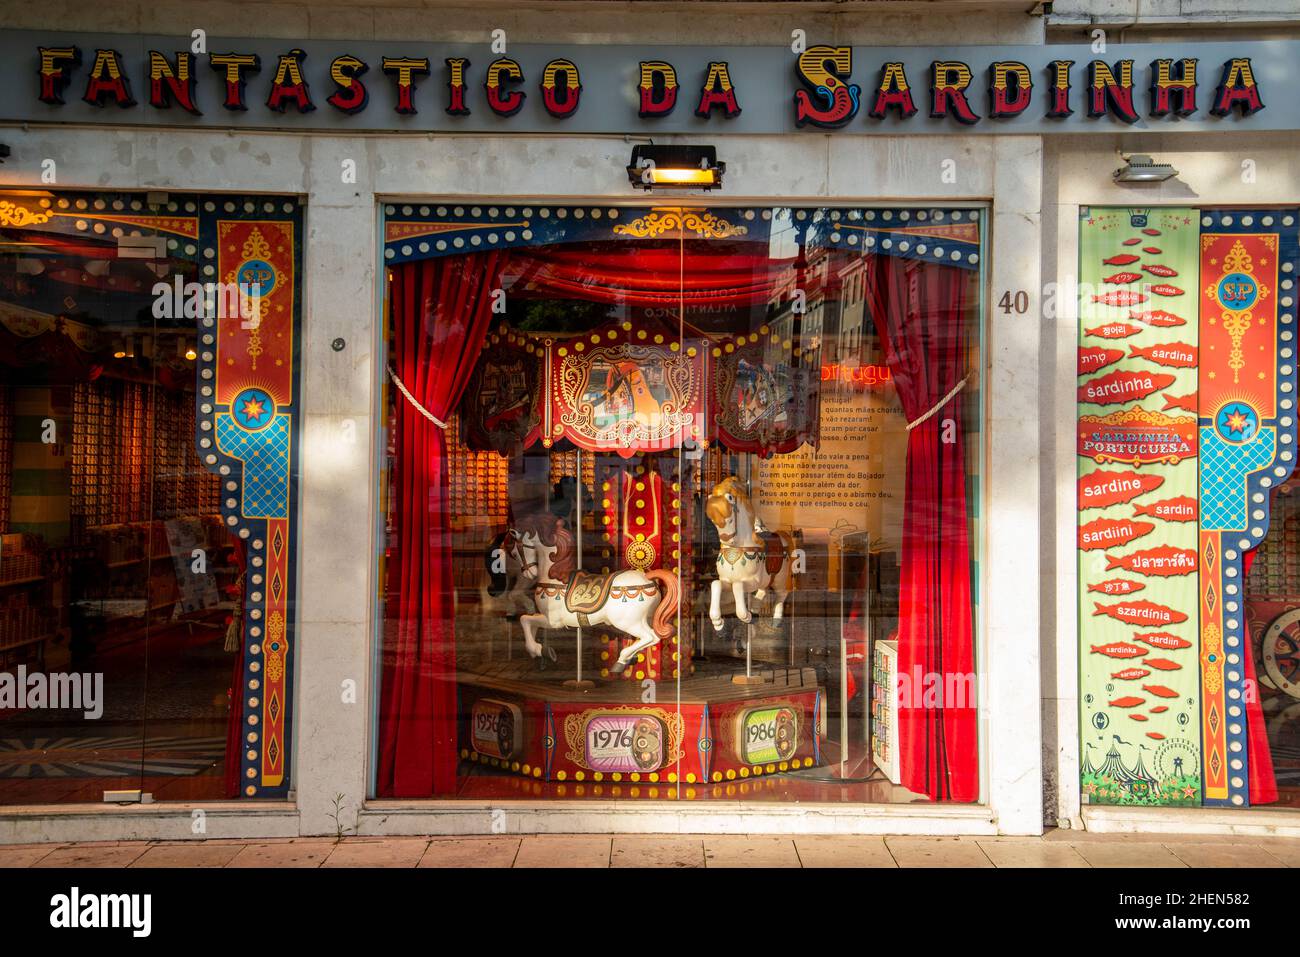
(704, 727)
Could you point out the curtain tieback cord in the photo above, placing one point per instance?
(401, 387)
(937, 406)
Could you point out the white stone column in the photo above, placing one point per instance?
(337, 483)
(1011, 712)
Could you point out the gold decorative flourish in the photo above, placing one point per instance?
(1237, 323)
(1211, 648)
(256, 246)
(12, 214)
(1137, 414)
(275, 636)
(705, 225)
(575, 726)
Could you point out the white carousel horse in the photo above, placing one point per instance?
(640, 604)
(745, 563)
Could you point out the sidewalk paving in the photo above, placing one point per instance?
(1054, 849)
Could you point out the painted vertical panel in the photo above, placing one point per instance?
(1248, 260)
(1138, 558)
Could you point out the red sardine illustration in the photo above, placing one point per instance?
(1155, 735)
(1123, 297)
(1138, 717)
(1163, 664)
(1132, 701)
(1187, 402)
(1164, 289)
(1176, 355)
(1117, 586)
(1120, 387)
(1122, 278)
(1113, 330)
(1131, 674)
(1119, 649)
(1180, 509)
(1149, 231)
(1141, 612)
(1109, 532)
(1123, 259)
(1160, 709)
(1158, 318)
(1100, 489)
(1156, 269)
(1160, 691)
(1149, 250)
(1096, 358)
(1162, 561)
(1164, 641)
(1133, 242)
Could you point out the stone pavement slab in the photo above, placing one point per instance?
(743, 851)
(937, 852)
(194, 854)
(304, 853)
(564, 850)
(658, 852)
(471, 852)
(833, 850)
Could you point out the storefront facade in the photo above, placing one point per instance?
(322, 414)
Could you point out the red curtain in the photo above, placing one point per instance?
(656, 275)
(920, 312)
(441, 310)
(1259, 758)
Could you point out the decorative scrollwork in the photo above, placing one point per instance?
(703, 224)
(11, 214)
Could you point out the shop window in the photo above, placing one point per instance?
(1187, 521)
(141, 494)
(680, 504)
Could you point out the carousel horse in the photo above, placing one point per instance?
(640, 604)
(505, 590)
(749, 558)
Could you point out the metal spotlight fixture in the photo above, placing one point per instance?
(1140, 168)
(675, 167)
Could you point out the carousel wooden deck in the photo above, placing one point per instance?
(521, 677)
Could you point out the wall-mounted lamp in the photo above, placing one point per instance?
(675, 167)
(1140, 168)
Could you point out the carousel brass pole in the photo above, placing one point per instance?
(577, 681)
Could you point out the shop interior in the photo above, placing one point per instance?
(114, 562)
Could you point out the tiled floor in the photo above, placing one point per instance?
(1055, 849)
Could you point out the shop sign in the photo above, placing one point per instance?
(207, 81)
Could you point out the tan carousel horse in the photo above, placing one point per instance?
(640, 604)
(750, 560)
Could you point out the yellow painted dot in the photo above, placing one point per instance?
(514, 766)
(616, 776)
(528, 769)
(690, 777)
(716, 351)
(744, 772)
(674, 346)
(731, 774)
(640, 657)
(717, 775)
(640, 333)
(785, 765)
(560, 775)
(597, 776)
(672, 777)
(758, 769)
(659, 340)
(464, 752)
(579, 346)
(640, 676)
(771, 769)
(537, 772)
(654, 775)
(635, 776)
(563, 351)
(578, 775)
(604, 672)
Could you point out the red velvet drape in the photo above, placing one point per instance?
(920, 311)
(1259, 757)
(738, 274)
(441, 310)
